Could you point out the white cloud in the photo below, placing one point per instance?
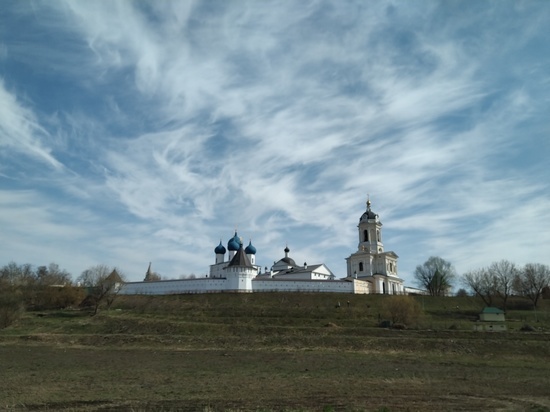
(21, 131)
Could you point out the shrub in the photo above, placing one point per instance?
(402, 310)
(385, 324)
(527, 328)
(11, 308)
(461, 293)
(519, 304)
(88, 302)
(50, 297)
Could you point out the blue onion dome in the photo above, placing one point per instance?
(234, 243)
(250, 250)
(220, 250)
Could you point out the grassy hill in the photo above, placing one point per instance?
(274, 351)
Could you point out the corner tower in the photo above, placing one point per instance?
(240, 272)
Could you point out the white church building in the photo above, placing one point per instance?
(371, 263)
(369, 270)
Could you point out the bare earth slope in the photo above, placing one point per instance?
(272, 352)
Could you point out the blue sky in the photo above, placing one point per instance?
(135, 131)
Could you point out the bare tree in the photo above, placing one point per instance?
(495, 280)
(11, 307)
(13, 278)
(503, 274)
(436, 275)
(532, 280)
(102, 285)
(482, 283)
(52, 275)
(17, 275)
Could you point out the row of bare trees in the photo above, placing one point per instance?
(503, 279)
(24, 287)
(498, 281)
(44, 287)
(25, 275)
(50, 287)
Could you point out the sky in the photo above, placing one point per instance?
(135, 132)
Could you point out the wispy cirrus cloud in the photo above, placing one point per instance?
(20, 130)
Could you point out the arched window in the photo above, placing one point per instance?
(365, 235)
(378, 235)
(360, 266)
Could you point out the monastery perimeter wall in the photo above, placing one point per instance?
(270, 285)
(219, 285)
(173, 287)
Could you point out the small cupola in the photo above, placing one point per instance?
(369, 214)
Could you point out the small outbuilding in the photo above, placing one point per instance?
(491, 320)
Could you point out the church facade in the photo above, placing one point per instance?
(369, 270)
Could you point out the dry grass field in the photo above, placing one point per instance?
(272, 352)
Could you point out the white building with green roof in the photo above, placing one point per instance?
(491, 319)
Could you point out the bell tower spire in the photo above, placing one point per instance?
(370, 231)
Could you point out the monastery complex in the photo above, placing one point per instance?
(369, 270)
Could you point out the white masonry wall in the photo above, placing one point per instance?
(217, 285)
(170, 287)
(334, 286)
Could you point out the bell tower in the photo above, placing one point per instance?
(371, 263)
(370, 232)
